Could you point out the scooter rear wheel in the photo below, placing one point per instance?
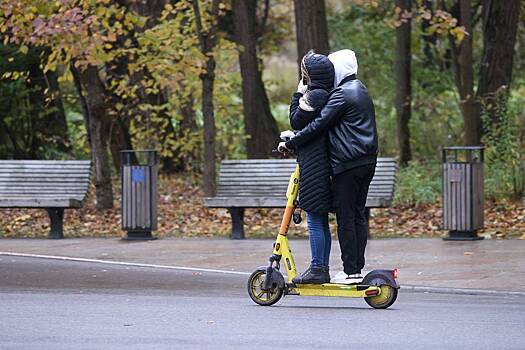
(260, 296)
(384, 300)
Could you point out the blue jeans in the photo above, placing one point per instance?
(320, 238)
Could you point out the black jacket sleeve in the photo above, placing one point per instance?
(330, 114)
(299, 118)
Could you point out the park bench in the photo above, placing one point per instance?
(262, 183)
(50, 184)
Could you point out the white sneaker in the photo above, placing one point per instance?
(343, 278)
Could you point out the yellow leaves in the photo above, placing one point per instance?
(23, 49)
(29, 16)
(459, 33)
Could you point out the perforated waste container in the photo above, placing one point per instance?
(139, 193)
(463, 194)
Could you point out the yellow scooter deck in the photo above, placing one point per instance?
(336, 290)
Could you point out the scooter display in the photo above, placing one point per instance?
(267, 285)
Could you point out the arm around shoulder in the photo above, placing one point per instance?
(329, 115)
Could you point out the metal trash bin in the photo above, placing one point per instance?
(463, 195)
(139, 193)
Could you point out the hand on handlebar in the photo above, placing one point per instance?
(282, 147)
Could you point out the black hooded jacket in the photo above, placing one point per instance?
(349, 118)
(312, 156)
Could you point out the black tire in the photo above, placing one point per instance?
(264, 298)
(384, 300)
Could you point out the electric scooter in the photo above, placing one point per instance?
(266, 284)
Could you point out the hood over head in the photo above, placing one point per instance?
(319, 70)
(345, 64)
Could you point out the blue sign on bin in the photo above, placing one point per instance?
(138, 175)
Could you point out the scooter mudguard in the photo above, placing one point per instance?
(378, 277)
(275, 276)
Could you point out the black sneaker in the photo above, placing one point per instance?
(313, 275)
(326, 272)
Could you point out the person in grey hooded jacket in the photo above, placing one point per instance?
(349, 118)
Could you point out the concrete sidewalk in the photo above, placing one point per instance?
(497, 265)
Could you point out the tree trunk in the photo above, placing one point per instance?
(207, 42)
(187, 126)
(469, 105)
(462, 64)
(402, 70)
(56, 124)
(119, 139)
(49, 124)
(209, 169)
(500, 24)
(188, 122)
(311, 29)
(259, 123)
(98, 126)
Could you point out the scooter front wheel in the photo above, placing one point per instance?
(384, 300)
(260, 296)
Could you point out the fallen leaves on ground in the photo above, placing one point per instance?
(181, 213)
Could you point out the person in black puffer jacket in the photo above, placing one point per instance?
(313, 158)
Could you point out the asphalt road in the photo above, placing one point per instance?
(48, 304)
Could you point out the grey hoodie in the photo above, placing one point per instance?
(345, 64)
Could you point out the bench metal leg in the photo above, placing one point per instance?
(56, 215)
(237, 222)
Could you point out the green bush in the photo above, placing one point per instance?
(418, 183)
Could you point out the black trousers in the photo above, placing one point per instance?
(350, 190)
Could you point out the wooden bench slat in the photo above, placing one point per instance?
(278, 189)
(221, 202)
(40, 195)
(281, 169)
(378, 202)
(276, 160)
(257, 172)
(44, 173)
(255, 183)
(44, 161)
(381, 182)
(254, 193)
(277, 177)
(279, 164)
(31, 164)
(47, 168)
(40, 203)
(35, 192)
(80, 184)
(42, 180)
(8, 191)
(4, 177)
(243, 183)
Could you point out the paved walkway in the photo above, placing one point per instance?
(489, 264)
